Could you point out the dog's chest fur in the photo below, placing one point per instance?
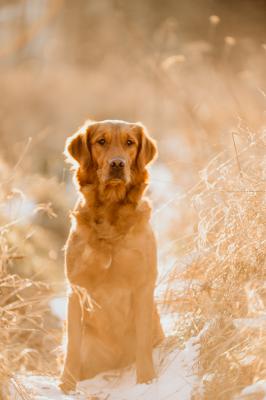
(113, 223)
(119, 231)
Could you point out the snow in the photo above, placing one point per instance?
(258, 388)
(176, 380)
(59, 307)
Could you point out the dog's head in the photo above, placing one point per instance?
(113, 154)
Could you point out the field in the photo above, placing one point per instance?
(194, 74)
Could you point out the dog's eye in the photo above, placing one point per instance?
(129, 142)
(101, 142)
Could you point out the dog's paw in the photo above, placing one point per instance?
(146, 375)
(67, 386)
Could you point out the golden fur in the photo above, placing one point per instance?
(111, 254)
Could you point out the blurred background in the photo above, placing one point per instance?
(192, 71)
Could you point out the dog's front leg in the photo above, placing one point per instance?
(71, 371)
(143, 301)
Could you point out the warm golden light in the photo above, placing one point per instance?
(193, 74)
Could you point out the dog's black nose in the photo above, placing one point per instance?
(117, 163)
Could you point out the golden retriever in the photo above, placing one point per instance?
(111, 254)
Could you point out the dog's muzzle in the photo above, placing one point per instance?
(117, 168)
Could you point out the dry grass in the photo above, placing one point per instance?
(226, 291)
(30, 335)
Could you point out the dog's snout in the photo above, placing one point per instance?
(117, 163)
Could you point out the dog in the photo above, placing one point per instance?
(110, 254)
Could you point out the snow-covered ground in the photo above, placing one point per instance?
(176, 380)
(255, 391)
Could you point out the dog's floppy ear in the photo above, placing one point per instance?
(77, 148)
(147, 148)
